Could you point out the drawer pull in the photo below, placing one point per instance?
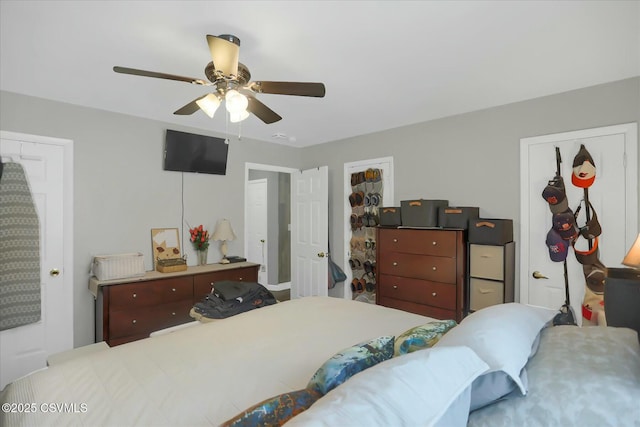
(434, 268)
(433, 294)
(395, 264)
(486, 256)
(395, 240)
(240, 279)
(395, 286)
(173, 289)
(134, 321)
(173, 314)
(434, 243)
(135, 295)
(486, 291)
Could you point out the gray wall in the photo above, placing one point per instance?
(121, 191)
(472, 159)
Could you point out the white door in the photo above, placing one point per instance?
(309, 232)
(45, 161)
(257, 249)
(613, 196)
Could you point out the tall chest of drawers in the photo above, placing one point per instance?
(130, 309)
(422, 271)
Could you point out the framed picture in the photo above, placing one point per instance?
(165, 243)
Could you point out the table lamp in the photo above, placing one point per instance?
(632, 259)
(223, 232)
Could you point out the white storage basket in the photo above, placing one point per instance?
(118, 266)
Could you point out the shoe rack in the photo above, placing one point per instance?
(365, 199)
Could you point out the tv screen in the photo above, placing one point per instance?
(187, 152)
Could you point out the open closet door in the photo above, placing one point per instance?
(48, 167)
(309, 232)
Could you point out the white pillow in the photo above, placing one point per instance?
(503, 336)
(412, 389)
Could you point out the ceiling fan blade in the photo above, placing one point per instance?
(136, 72)
(261, 111)
(190, 108)
(289, 88)
(224, 53)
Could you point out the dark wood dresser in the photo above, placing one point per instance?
(422, 271)
(130, 309)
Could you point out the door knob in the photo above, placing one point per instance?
(538, 275)
(321, 254)
(54, 272)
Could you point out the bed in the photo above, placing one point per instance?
(212, 373)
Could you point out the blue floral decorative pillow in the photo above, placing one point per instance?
(350, 361)
(421, 337)
(275, 411)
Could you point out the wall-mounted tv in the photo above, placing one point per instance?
(188, 152)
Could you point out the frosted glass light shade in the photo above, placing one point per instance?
(235, 101)
(209, 104)
(632, 259)
(238, 117)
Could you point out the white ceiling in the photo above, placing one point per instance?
(385, 64)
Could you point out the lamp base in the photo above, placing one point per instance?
(224, 261)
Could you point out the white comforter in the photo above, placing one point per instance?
(201, 375)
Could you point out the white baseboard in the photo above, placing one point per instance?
(279, 286)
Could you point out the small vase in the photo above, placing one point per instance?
(202, 257)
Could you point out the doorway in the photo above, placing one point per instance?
(385, 165)
(268, 223)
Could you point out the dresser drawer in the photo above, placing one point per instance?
(149, 293)
(202, 283)
(487, 261)
(126, 323)
(422, 242)
(424, 310)
(437, 269)
(485, 293)
(418, 291)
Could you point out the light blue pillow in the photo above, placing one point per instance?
(421, 337)
(275, 411)
(424, 388)
(348, 362)
(505, 337)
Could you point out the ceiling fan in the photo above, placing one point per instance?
(231, 82)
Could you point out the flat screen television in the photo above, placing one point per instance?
(188, 152)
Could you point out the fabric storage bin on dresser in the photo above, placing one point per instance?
(421, 213)
(457, 217)
(390, 216)
(490, 231)
(118, 266)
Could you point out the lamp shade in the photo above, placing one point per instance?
(209, 104)
(235, 101)
(632, 259)
(238, 117)
(223, 231)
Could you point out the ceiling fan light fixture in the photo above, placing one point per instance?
(235, 101)
(238, 117)
(209, 104)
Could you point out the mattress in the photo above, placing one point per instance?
(203, 375)
(586, 376)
